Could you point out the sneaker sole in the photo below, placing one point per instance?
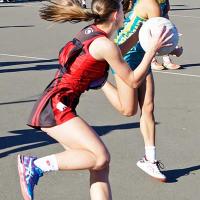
(163, 180)
(23, 184)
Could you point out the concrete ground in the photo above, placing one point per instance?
(28, 60)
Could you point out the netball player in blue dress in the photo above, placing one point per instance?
(126, 99)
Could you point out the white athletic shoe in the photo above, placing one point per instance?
(153, 169)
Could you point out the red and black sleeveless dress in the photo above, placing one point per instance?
(58, 102)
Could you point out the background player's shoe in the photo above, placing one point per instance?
(153, 169)
(171, 65)
(83, 3)
(29, 175)
(156, 66)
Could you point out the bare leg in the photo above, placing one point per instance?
(148, 164)
(146, 101)
(84, 150)
(122, 97)
(125, 100)
(99, 187)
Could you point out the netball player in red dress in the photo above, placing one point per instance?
(54, 112)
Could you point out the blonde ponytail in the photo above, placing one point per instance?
(68, 10)
(72, 11)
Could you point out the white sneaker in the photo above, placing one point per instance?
(153, 169)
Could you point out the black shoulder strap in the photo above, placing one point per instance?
(72, 49)
(89, 33)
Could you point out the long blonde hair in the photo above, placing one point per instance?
(72, 11)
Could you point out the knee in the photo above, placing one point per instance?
(102, 161)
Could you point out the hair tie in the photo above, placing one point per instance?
(96, 16)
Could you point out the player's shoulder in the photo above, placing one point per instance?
(149, 3)
(152, 7)
(104, 43)
(144, 7)
(103, 47)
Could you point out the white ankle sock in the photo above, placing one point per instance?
(47, 163)
(166, 59)
(150, 153)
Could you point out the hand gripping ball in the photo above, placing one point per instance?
(151, 26)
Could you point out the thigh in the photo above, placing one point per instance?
(128, 96)
(76, 134)
(146, 91)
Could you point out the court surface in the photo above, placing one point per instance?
(28, 60)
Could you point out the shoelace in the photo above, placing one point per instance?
(159, 164)
(31, 176)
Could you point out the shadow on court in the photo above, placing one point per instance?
(10, 6)
(29, 138)
(32, 138)
(15, 2)
(37, 67)
(190, 65)
(181, 9)
(173, 175)
(179, 5)
(19, 26)
(103, 130)
(11, 63)
(46, 66)
(16, 102)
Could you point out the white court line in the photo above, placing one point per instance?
(179, 74)
(19, 56)
(37, 58)
(185, 16)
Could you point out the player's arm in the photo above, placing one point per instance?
(130, 42)
(104, 49)
(152, 8)
(145, 9)
(133, 78)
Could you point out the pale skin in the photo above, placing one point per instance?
(166, 58)
(126, 99)
(83, 147)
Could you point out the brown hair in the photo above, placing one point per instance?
(72, 11)
(127, 5)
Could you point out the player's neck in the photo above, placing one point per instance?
(109, 29)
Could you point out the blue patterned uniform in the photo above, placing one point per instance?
(164, 7)
(131, 23)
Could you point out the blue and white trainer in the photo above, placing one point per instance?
(29, 175)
